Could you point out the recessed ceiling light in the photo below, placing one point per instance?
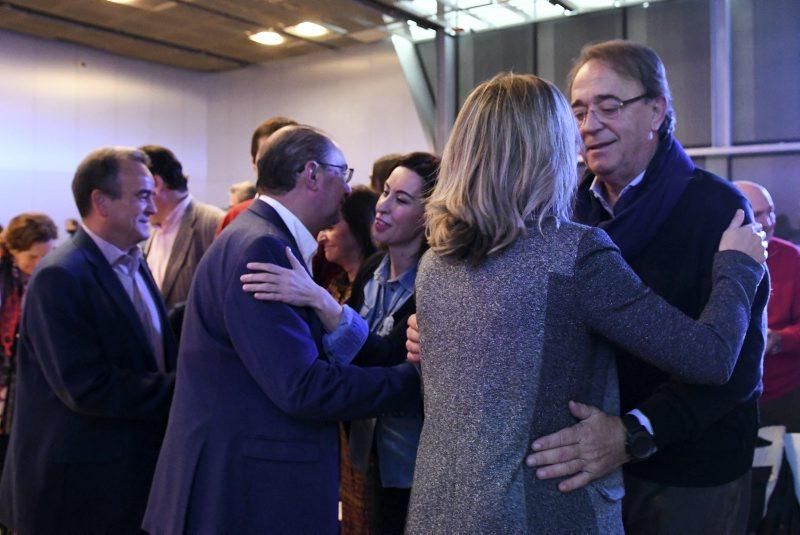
(308, 29)
(268, 38)
(121, 1)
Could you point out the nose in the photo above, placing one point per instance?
(348, 189)
(322, 237)
(590, 123)
(150, 206)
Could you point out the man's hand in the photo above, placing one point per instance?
(589, 450)
(412, 339)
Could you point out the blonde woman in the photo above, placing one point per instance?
(512, 301)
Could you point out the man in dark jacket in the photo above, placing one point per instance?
(96, 366)
(692, 445)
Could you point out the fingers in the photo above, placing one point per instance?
(554, 456)
(582, 411)
(293, 261)
(412, 322)
(738, 219)
(565, 437)
(569, 468)
(576, 482)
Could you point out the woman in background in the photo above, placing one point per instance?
(26, 240)
(347, 244)
(511, 299)
(383, 448)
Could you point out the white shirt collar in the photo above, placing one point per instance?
(306, 242)
(111, 252)
(599, 191)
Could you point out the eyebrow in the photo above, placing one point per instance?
(597, 98)
(399, 191)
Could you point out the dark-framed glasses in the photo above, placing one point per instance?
(605, 109)
(346, 172)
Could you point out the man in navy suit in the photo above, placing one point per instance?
(252, 443)
(95, 366)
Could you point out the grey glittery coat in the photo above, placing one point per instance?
(507, 344)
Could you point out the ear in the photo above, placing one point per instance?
(158, 182)
(659, 107)
(100, 202)
(309, 175)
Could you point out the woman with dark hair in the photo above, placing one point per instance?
(28, 238)
(349, 242)
(384, 448)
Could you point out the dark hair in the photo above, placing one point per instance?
(287, 151)
(26, 230)
(381, 170)
(267, 128)
(426, 165)
(634, 61)
(99, 170)
(164, 164)
(358, 211)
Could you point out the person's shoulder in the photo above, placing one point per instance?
(785, 247)
(208, 210)
(705, 186)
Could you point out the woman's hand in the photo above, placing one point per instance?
(271, 282)
(748, 239)
(412, 340)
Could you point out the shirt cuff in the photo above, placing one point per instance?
(344, 342)
(644, 420)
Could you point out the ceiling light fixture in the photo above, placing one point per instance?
(121, 1)
(308, 29)
(268, 38)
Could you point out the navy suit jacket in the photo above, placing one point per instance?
(252, 441)
(91, 404)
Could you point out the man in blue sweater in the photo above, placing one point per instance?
(688, 449)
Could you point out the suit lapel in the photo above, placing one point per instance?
(111, 285)
(180, 248)
(267, 212)
(168, 343)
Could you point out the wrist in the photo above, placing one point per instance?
(639, 443)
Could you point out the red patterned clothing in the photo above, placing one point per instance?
(782, 369)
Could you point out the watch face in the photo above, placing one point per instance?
(641, 445)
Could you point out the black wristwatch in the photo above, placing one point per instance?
(639, 443)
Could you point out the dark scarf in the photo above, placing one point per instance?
(641, 210)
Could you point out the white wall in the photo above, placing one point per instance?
(357, 95)
(59, 101)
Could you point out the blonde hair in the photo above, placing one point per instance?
(511, 160)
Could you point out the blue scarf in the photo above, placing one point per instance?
(641, 210)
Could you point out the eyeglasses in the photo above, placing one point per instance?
(347, 172)
(606, 109)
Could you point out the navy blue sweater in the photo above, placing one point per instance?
(705, 434)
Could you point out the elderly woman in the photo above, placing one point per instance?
(28, 237)
(385, 447)
(512, 301)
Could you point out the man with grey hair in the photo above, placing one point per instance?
(690, 447)
(252, 445)
(780, 402)
(96, 366)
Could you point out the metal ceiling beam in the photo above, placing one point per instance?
(120, 33)
(401, 14)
